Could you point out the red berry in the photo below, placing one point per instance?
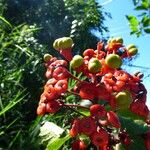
(113, 119)
(50, 93)
(53, 106)
(88, 91)
(75, 129)
(87, 125)
(58, 63)
(61, 86)
(100, 138)
(88, 52)
(41, 109)
(48, 73)
(98, 110)
(60, 73)
(78, 145)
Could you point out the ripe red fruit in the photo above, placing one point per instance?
(41, 109)
(75, 129)
(60, 73)
(88, 52)
(139, 107)
(61, 86)
(98, 111)
(147, 141)
(88, 91)
(48, 73)
(53, 106)
(78, 145)
(100, 138)
(113, 119)
(50, 93)
(87, 125)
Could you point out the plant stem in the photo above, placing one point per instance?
(75, 105)
(74, 93)
(74, 110)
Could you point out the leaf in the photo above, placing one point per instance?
(134, 128)
(138, 143)
(146, 21)
(49, 131)
(133, 20)
(85, 112)
(12, 103)
(57, 143)
(134, 24)
(128, 114)
(5, 21)
(147, 30)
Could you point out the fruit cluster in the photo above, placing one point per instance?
(107, 88)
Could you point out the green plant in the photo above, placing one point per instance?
(20, 58)
(140, 24)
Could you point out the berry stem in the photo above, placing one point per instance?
(74, 93)
(75, 105)
(74, 110)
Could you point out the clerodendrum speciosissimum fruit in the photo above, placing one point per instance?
(107, 89)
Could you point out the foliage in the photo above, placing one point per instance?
(141, 24)
(20, 58)
(55, 16)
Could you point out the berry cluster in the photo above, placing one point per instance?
(107, 87)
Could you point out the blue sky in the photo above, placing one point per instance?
(118, 26)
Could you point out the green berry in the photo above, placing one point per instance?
(76, 62)
(131, 46)
(119, 40)
(55, 44)
(94, 65)
(132, 51)
(63, 43)
(67, 42)
(113, 61)
(47, 57)
(123, 99)
(113, 40)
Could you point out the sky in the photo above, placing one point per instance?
(119, 27)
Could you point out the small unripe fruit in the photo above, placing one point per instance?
(67, 42)
(123, 99)
(47, 57)
(132, 51)
(94, 65)
(131, 46)
(113, 40)
(63, 43)
(76, 62)
(55, 44)
(113, 61)
(119, 40)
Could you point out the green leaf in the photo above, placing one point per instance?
(85, 112)
(138, 143)
(128, 114)
(5, 21)
(133, 20)
(146, 21)
(134, 128)
(12, 103)
(147, 30)
(56, 143)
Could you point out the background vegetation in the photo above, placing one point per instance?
(27, 31)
